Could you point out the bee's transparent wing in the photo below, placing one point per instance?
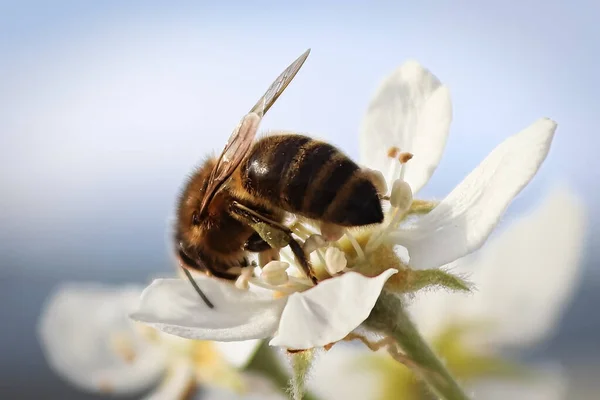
(236, 149)
(278, 86)
(241, 139)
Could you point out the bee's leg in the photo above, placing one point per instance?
(302, 259)
(266, 253)
(276, 235)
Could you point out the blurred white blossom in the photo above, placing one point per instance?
(90, 341)
(524, 278)
(403, 135)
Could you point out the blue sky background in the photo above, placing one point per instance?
(106, 106)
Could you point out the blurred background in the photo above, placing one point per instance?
(106, 106)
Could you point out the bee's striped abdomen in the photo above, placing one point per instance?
(311, 178)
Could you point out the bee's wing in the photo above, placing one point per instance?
(242, 137)
(235, 150)
(278, 86)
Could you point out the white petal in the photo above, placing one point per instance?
(213, 393)
(338, 374)
(329, 311)
(462, 222)
(529, 272)
(411, 110)
(524, 277)
(238, 354)
(77, 329)
(173, 306)
(178, 382)
(548, 384)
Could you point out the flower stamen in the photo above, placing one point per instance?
(313, 243)
(359, 252)
(400, 199)
(335, 261)
(392, 155)
(278, 289)
(319, 253)
(245, 276)
(403, 157)
(275, 273)
(304, 283)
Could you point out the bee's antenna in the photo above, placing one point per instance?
(197, 289)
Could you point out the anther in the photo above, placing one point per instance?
(335, 261)
(393, 152)
(401, 197)
(274, 273)
(313, 243)
(405, 157)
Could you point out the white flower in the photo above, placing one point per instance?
(90, 341)
(524, 279)
(315, 317)
(404, 133)
(411, 112)
(262, 389)
(548, 383)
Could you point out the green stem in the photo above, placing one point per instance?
(389, 316)
(301, 363)
(267, 363)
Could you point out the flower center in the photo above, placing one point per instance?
(284, 278)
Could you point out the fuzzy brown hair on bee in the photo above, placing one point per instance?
(216, 242)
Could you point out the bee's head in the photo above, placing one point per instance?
(190, 227)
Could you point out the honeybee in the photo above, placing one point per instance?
(236, 204)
